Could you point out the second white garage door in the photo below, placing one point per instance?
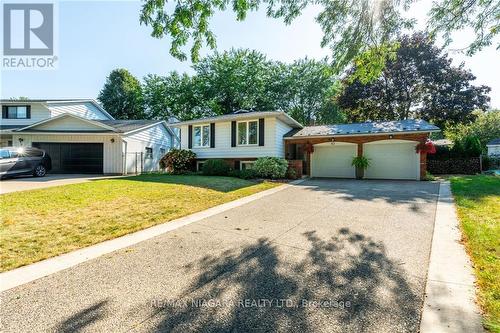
(329, 160)
(392, 159)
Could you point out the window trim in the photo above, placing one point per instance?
(201, 136)
(247, 162)
(5, 111)
(147, 156)
(247, 134)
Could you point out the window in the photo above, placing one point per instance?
(4, 153)
(199, 165)
(244, 165)
(248, 132)
(15, 112)
(149, 153)
(162, 152)
(201, 136)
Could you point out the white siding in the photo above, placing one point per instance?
(84, 109)
(493, 150)
(112, 150)
(68, 124)
(39, 112)
(155, 137)
(274, 130)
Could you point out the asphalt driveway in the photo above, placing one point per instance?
(323, 256)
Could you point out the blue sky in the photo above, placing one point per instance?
(97, 36)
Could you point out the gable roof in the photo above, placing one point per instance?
(401, 126)
(110, 126)
(241, 115)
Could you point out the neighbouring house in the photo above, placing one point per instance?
(493, 147)
(81, 137)
(396, 149)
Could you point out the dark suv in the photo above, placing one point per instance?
(24, 161)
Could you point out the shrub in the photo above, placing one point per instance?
(270, 167)
(178, 160)
(243, 174)
(360, 162)
(291, 173)
(215, 167)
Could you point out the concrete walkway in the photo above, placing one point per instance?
(32, 183)
(322, 256)
(450, 292)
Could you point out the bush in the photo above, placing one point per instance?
(270, 167)
(178, 161)
(291, 173)
(216, 167)
(243, 174)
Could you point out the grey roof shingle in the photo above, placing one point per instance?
(128, 125)
(494, 142)
(409, 125)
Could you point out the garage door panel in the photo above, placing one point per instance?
(74, 157)
(392, 160)
(333, 161)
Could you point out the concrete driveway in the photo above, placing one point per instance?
(323, 256)
(31, 183)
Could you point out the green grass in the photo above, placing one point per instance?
(478, 203)
(43, 223)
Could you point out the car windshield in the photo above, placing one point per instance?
(4, 153)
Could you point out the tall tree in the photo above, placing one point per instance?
(349, 27)
(419, 82)
(306, 91)
(122, 96)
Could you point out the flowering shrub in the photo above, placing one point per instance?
(270, 167)
(178, 160)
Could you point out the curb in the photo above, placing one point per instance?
(25, 274)
(449, 304)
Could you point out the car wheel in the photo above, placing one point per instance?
(39, 171)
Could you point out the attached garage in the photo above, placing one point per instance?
(392, 159)
(74, 157)
(333, 160)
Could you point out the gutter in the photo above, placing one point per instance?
(357, 134)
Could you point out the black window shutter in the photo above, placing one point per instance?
(233, 134)
(4, 111)
(190, 136)
(236, 165)
(212, 135)
(261, 131)
(28, 111)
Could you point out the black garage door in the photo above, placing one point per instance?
(74, 157)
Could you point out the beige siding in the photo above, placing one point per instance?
(273, 142)
(85, 110)
(39, 112)
(112, 150)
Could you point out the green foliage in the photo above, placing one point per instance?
(291, 173)
(349, 27)
(270, 167)
(122, 96)
(360, 162)
(215, 167)
(370, 63)
(242, 79)
(482, 17)
(419, 82)
(485, 127)
(178, 161)
(243, 174)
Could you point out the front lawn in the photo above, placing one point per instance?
(39, 224)
(478, 203)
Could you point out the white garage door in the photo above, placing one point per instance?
(329, 160)
(392, 159)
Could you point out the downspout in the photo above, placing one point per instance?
(124, 150)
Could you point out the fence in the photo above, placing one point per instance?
(133, 163)
(467, 166)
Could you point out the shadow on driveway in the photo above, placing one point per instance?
(360, 287)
